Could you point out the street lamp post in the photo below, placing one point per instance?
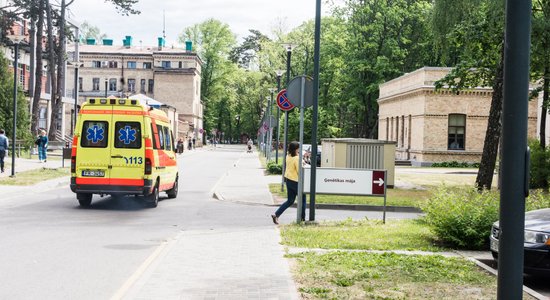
(270, 132)
(75, 64)
(16, 40)
(238, 118)
(279, 73)
(288, 47)
(106, 82)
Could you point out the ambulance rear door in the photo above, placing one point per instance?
(93, 149)
(128, 150)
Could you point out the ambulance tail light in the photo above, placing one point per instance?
(73, 164)
(148, 166)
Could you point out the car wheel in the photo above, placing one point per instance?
(152, 200)
(85, 200)
(173, 192)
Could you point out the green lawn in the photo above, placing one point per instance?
(394, 197)
(34, 176)
(360, 275)
(365, 234)
(342, 274)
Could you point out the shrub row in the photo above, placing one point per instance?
(462, 217)
(455, 164)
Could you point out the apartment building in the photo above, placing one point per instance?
(169, 75)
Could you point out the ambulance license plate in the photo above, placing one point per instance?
(93, 173)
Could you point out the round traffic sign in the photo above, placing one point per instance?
(294, 90)
(283, 102)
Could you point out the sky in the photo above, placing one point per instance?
(240, 15)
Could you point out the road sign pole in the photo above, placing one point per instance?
(288, 56)
(385, 190)
(316, 50)
(300, 158)
(514, 145)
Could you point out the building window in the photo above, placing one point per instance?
(147, 65)
(142, 86)
(80, 83)
(166, 64)
(457, 129)
(132, 65)
(113, 64)
(96, 64)
(131, 85)
(180, 64)
(95, 84)
(112, 84)
(151, 86)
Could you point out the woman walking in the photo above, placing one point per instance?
(291, 178)
(42, 142)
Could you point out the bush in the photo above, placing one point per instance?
(462, 217)
(540, 163)
(274, 168)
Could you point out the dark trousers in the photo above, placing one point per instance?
(2, 155)
(292, 192)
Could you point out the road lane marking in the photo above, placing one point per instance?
(140, 271)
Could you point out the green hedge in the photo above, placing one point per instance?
(274, 168)
(455, 164)
(462, 217)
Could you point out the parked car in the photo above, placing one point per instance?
(536, 243)
(306, 153)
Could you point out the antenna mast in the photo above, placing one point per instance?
(164, 24)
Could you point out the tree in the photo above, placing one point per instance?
(88, 31)
(6, 104)
(213, 40)
(245, 54)
(476, 35)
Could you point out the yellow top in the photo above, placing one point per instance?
(291, 171)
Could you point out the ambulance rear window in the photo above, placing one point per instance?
(94, 134)
(128, 135)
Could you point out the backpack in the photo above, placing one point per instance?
(37, 141)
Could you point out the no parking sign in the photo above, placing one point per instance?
(283, 102)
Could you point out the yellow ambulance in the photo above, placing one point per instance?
(122, 147)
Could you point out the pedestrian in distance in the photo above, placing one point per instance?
(189, 144)
(4, 146)
(180, 145)
(42, 143)
(249, 145)
(194, 143)
(291, 178)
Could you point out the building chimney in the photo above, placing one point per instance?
(160, 43)
(188, 46)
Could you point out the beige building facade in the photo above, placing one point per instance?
(168, 75)
(436, 126)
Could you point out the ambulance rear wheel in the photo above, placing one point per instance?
(152, 200)
(173, 192)
(85, 200)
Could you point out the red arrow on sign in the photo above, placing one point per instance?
(378, 183)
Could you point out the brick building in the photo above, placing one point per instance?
(169, 75)
(430, 126)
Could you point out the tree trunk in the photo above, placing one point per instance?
(57, 105)
(492, 136)
(51, 68)
(39, 66)
(544, 107)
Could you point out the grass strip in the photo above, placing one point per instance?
(32, 177)
(365, 235)
(394, 197)
(360, 275)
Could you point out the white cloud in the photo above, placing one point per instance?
(240, 15)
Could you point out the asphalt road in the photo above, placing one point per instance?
(537, 282)
(53, 249)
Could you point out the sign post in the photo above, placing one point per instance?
(300, 88)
